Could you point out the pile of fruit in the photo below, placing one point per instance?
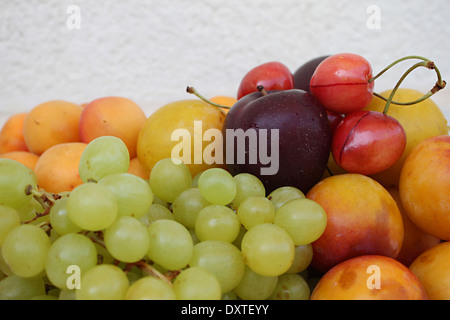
(307, 185)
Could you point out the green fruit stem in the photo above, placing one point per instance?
(192, 90)
(440, 84)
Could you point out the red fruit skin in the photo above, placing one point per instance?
(340, 83)
(334, 119)
(368, 142)
(272, 75)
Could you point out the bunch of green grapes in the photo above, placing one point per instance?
(118, 236)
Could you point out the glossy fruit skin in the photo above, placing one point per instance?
(420, 121)
(302, 76)
(304, 136)
(367, 142)
(424, 186)
(154, 141)
(272, 75)
(355, 279)
(362, 219)
(432, 268)
(340, 83)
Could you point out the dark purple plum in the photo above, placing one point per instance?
(297, 158)
(302, 76)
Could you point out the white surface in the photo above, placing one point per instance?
(150, 50)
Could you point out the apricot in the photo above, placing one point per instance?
(224, 101)
(369, 277)
(57, 168)
(425, 186)
(112, 116)
(415, 240)
(138, 169)
(156, 140)
(11, 134)
(51, 123)
(362, 219)
(420, 121)
(432, 268)
(24, 157)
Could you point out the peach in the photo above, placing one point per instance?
(415, 241)
(432, 268)
(112, 116)
(24, 157)
(11, 134)
(57, 168)
(425, 186)
(51, 123)
(138, 169)
(369, 277)
(420, 121)
(362, 219)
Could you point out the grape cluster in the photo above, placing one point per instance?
(173, 236)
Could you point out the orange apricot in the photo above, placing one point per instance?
(432, 268)
(51, 123)
(138, 169)
(369, 277)
(57, 168)
(112, 116)
(24, 157)
(224, 101)
(415, 240)
(11, 134)
(425, 186)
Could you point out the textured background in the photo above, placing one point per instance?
(150, 50)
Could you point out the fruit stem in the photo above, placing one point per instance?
(192, 90)
(440, 84)
(262, 90)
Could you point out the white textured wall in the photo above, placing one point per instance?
(150, 50)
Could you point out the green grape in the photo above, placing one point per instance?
(103, 282)
(291, 287)
(303, 219)
(134, 195)
(168, 179)
(302, 259)
(9, 219)
(17, 288)
(66, 294)
(254, 286)
(92, 206)
(230, 295)
(268, 249)
(282, 195)
(102, 157)
(150, 288)
(196, 283)
(25, 250)
(195, 180)
(187, 206)
(127, 239)
(255, 210)
(217, 186)
(222, 259)
(44, 297)
(14, 179)
(217, 222)
(247, 185)
(171, 244)
(71, 249)
(241, 234)
(59, 218)
(155, 213)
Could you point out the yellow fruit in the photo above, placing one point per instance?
(420, 121)
(156, 140)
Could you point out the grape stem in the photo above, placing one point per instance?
(150, 270)
(193, 91)
(440, 84)
(45, 199)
